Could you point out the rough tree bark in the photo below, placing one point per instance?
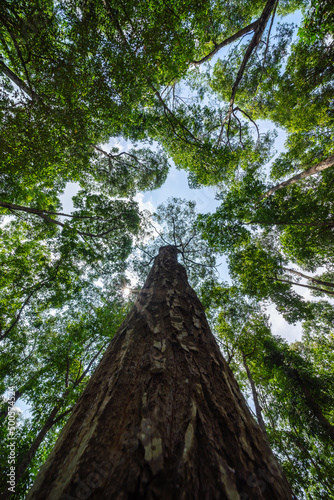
(162, 417)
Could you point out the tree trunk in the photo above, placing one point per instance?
(15, 79)
(310, 278)
(316, 288)
(319, 167)
(313, 405)
(255, 396)
(162, 417)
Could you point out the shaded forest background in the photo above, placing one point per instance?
(79, 75)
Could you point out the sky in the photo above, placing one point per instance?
(176, 185)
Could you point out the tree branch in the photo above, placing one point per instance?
(310, 278)
(62, 415)
(250, 119)
(308, 224)
(89, 365)
(166, 108)
(40, 285)
(109, 155)
(15, 79)
(322, 290)
(227, 41)
(267, 43)
(43, 215)
(20, 56)
(258, 32)
(319, 167)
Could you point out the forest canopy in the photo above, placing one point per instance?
(192, 85)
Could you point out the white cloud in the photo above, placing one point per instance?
(71, 190)
(281, 327)
(144, 205)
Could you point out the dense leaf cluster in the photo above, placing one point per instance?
(190, 82)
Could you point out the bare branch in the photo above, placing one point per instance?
(329, 224)
(258, 32)
(309, 278)
(227, 41)
(15, 79)
(20, 55)
(189, 240)
(43, 215)
(268, 38)
(90, 364)
(160, 234)
(114, 156)
(250, 119)
(317, 289)
(199, 263)
(319, 167)
(240, 128)
(171, 114)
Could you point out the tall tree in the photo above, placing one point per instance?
(174, 223)
(292, 394)
(49, 362)
(75, 74)
(162, 416)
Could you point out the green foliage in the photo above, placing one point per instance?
(76, 76)
(174, 223)
(52, 368)
(293, 390)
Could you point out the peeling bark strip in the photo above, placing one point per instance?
(162, 417)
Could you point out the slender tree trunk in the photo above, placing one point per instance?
(299, 443)
(15, 79)
(162, 417)
(329, 162)
(316, 288)
(255, 396)
(278, 438)
(313, 405)
(24, 464)
(310, 278)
